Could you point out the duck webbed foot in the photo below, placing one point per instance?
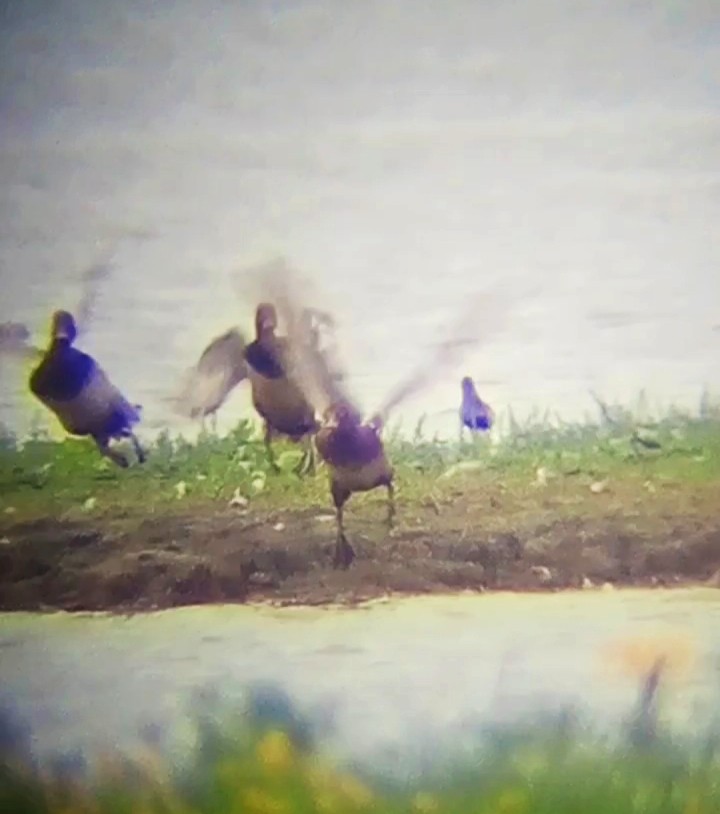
(103, 445)
(272, 462)
(390, 505)
(344, 552)
(139, 451)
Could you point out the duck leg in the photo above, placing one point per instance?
(139, 451)
(269, 450)
(306, 465)
(390, 504)
(103, 444)
(344, 552)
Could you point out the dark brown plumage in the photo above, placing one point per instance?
(276, 396)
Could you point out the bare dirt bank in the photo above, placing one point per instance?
(285, 557)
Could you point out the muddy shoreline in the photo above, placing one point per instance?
(157, 562)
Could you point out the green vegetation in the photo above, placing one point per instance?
(40, 476)
(268, 760)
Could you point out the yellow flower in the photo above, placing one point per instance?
(637, 656)
(320, 776)
(275, 751)
(424, 803)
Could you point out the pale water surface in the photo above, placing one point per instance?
(401, 153)
(391, 683)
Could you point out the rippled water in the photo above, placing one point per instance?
(402, 154)
(396, 680)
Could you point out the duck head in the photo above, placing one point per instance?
(63, 326)
(265, 320)
(342, 414)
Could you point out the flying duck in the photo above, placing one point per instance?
(75, 388)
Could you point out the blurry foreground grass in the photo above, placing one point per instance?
(265, 764)
(41, 476)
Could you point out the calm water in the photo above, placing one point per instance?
(403, 154)
(394, 681)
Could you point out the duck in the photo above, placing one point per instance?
(276, 397)
(219, 370)
(354, 454)
(72, 385)
(475, 414)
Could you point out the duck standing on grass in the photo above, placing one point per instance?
(208, 384)
(72, 385)
(351, 447)
(475, 414)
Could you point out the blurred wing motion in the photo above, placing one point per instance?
(15, 336)
(209, 382)
(90, 283)
(311, 363)
(319, 374)
(477, 323)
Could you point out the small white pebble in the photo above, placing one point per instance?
(180, 489)
(4, 541)
(541, 476)
(89, 504)
(650, 486)
(599, 486)
(587, 583)
(238, 501)
(10, 510)
(608, 586)
(325, 518)
(279, 527)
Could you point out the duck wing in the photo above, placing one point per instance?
(90, 282)
(220, 368)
